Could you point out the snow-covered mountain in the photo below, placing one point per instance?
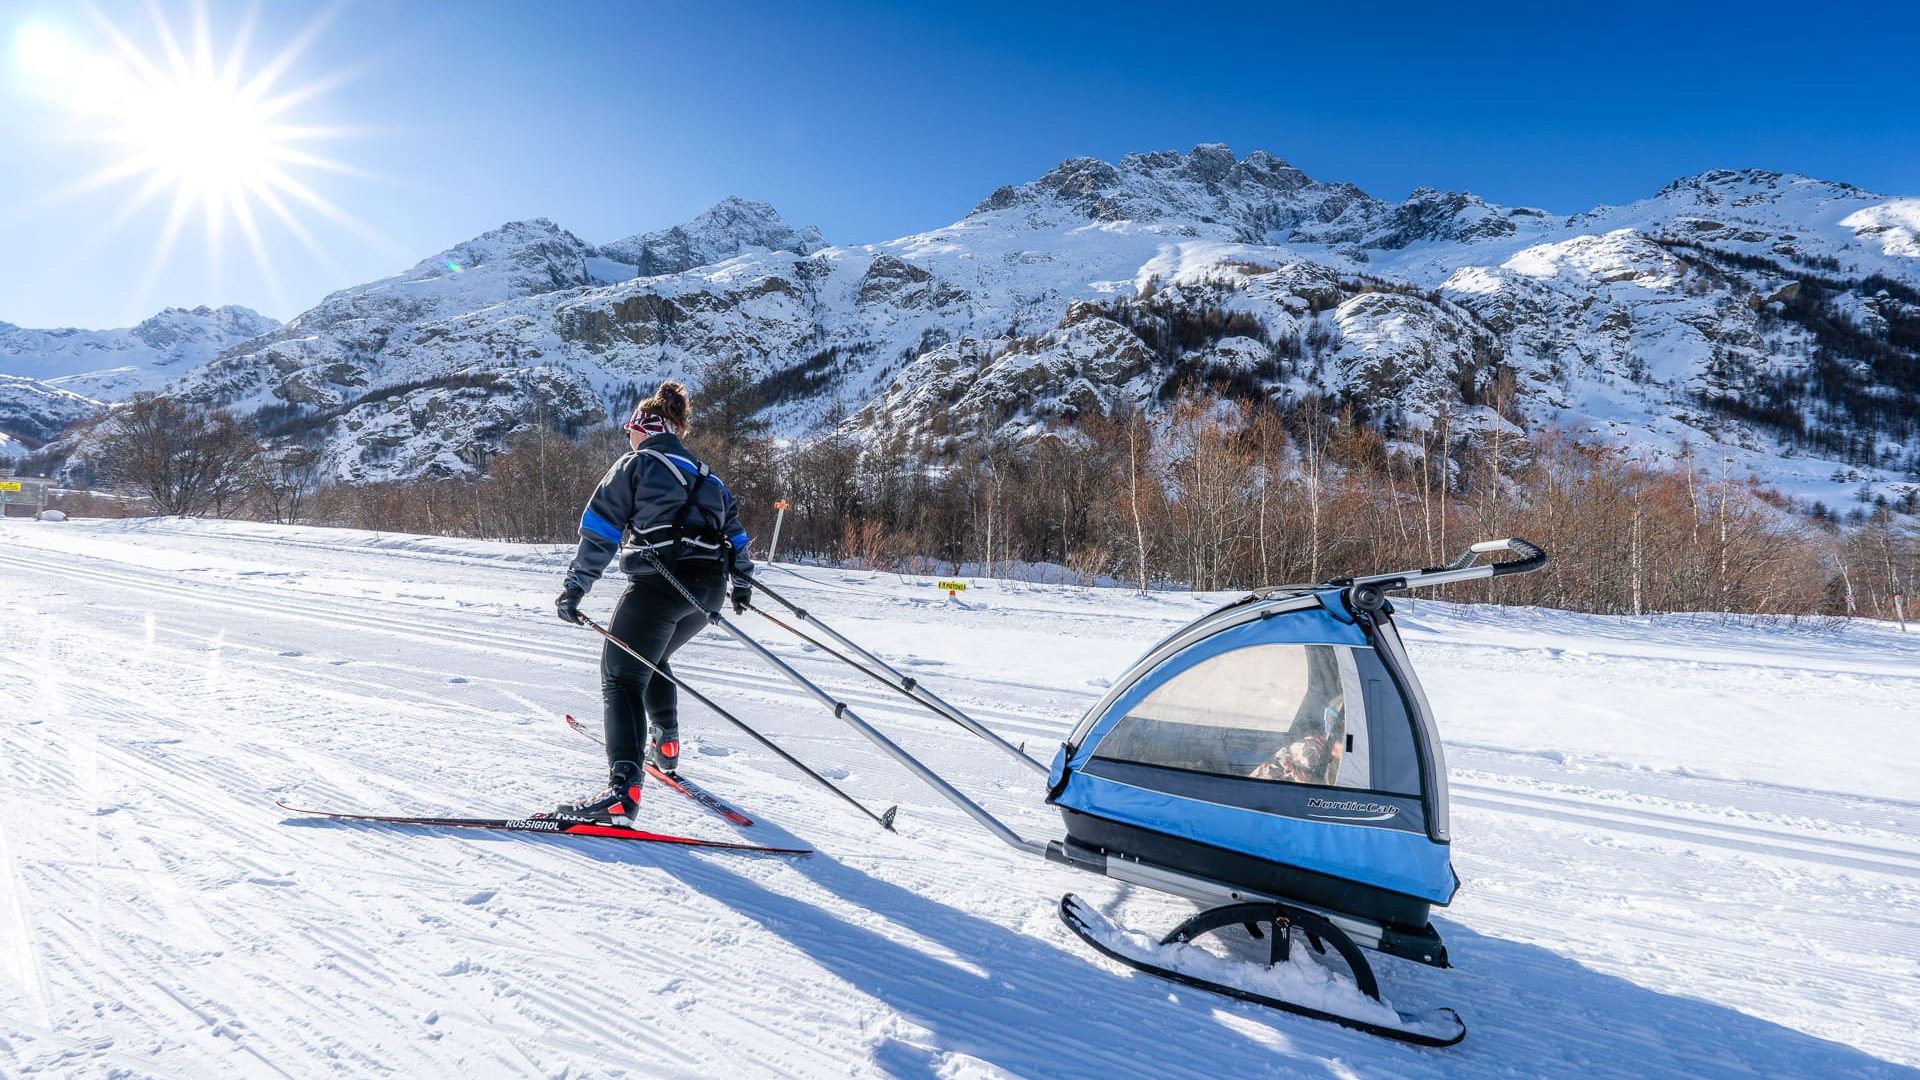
(1777, 316)
(50, 378)
(33, 412)
(109, 364)
(731, 226)
(422, 372)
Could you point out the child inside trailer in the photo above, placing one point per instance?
(1311, 754)
(1271, 712)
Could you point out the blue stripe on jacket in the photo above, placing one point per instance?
(693, 468)
(591, 522)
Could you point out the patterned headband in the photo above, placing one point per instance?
(649, 424)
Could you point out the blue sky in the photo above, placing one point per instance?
(875, 120)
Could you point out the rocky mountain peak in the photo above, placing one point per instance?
(526, 231)
(1207, 184)
(221, 326)
(1740, 186)
(729, 227)
(553, 255)
(1428, 214)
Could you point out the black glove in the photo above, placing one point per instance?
(742, 596)
(567, 604)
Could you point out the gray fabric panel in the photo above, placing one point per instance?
(1396, 758)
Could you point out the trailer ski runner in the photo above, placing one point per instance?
(1275, 761)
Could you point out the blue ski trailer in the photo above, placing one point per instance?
(1275, 761)
(1278, 747)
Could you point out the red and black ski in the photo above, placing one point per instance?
(547, 827)
(678, 783)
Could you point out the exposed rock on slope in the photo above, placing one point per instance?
(51, 378)
(1775, 314)
(110, 364)
(732, 226)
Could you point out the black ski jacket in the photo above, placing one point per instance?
(638, 504)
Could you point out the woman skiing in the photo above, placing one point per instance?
(657, 498)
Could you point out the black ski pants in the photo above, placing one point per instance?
(656, 620)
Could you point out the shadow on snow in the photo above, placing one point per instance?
(1045, 1007)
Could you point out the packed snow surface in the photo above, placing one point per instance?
(1690, 846)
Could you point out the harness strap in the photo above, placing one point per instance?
(694, 485)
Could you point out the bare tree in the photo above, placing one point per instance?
(284, 483)
(186, 459)
(1136, 434)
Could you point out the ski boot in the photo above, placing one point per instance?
(616, 804)
(665, 751)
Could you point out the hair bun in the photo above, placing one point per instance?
(669, 403)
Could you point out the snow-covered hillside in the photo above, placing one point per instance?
(33, 412)
(50, 378)
(1760, 317)
(421, 372)
(1690, 847)
(110, 364)
(1761, 311)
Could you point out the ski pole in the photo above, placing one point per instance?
(905, 690)
(885, 820)
(841, 712)
(906, 684)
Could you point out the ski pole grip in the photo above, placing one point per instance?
(1532, 556)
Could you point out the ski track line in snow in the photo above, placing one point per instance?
(506, 924)
(1764, 798)
(162, 903)
(772, 684)
(1849, 939)
(277, 597)
(1613, 811)
(1691, 668)
(368, 967)
(419, 630)
(1607, 822)
(151, 870)
(16, 937)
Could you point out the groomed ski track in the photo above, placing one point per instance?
(1690, 847)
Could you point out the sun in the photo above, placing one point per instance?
(203, 125)
(202, 135)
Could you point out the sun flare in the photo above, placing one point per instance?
(206, 127)
(207, 138)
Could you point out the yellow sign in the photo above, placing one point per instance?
(9, 485)
(953, 586)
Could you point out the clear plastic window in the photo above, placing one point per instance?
(1266, 712)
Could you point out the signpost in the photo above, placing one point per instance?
(780, 515)
(954, 588)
